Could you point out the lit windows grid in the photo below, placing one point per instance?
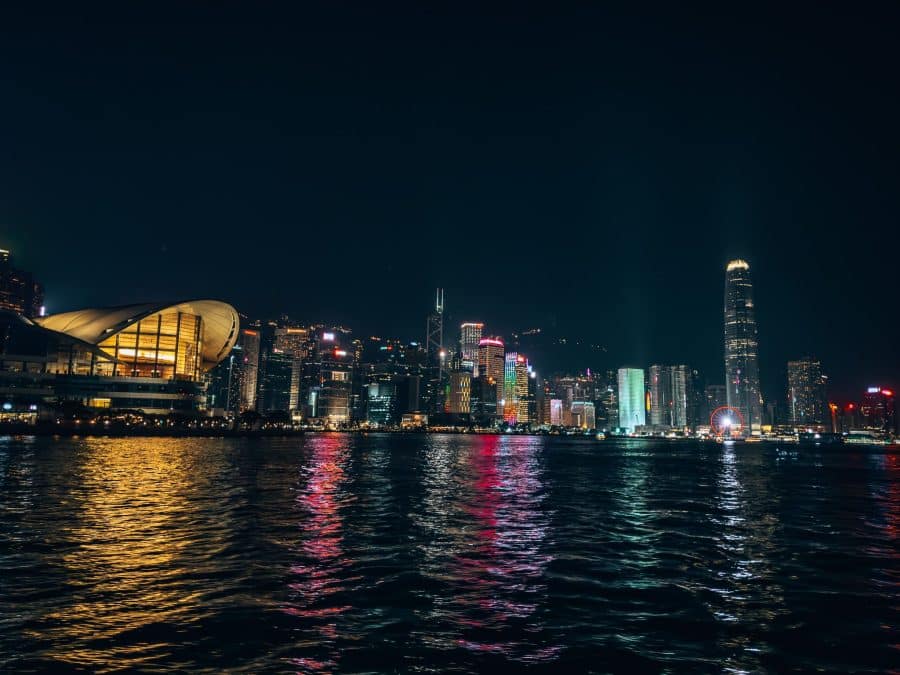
(165, 345)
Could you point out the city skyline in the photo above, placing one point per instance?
(348, 179)
(344, 337)
(738, 289)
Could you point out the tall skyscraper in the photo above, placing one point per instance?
(295, 342)
(435, 355)
(669, 389)
(660, 386)
(434, 331)
(248, 343)
(460, 394)
(274, 381)
(631, 399)
(526, 391)
(469, 340)
(742, 347)
(807, 400)
(326, 383)
(515, 388)
(878, 409)
(492, 367)
(682, 381)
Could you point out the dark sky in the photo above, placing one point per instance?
(581, 166)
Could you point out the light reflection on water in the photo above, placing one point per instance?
(443, 553)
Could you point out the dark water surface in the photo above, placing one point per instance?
(388, 553)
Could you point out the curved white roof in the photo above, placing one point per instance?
(220, 323)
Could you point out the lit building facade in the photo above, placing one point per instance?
(327, 379)
(631, 404)
(584, 415)
(807, 397)
(515, 388)
(526, 392)
(436, 355)
(660, 387)
(742, 346)
(381, 404)
(275, 381)
(247, 379)
(156, 356)
(492, 369)
(682, 381)
(19, 292)
(293, 341)
(469, 343)
(556, 411)
(669, 388)
(459, 401)
(877, 411)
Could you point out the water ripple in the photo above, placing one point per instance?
(386, 553)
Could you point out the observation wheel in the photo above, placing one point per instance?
(726, 421)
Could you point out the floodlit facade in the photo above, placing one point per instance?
(469, 342)
(660, 388)
(516, 408)
(742, 346)
(460, 396)
(159, 352)
(492, 367)
(669, 388)
(631, 399)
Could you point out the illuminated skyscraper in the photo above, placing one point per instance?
(631, 399)
(526, 391)
(491, 367)
(515, 389)
(275, 370)
(295, 343)
(660, 386)
(491, 359)
(741, 346)
(681, 379)
(460, 396)
(807, 402)
(583, 414)
(669, 389)
(469, 341)
(248, 342)
(435, 355)
(877, 410)
(434, 331)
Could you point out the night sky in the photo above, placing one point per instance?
(581, 169)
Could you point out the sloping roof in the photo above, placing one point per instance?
(220, 321)
(24, 331)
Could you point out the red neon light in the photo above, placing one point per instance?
(887, 392)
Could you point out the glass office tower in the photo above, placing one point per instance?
(742, 347)
(632, 412)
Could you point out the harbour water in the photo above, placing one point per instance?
(458, 553)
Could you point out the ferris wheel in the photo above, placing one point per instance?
(726, 421)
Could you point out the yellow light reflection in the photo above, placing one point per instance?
(125, 556)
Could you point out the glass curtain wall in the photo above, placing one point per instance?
(165, 345)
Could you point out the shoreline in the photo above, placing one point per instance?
(86, 431)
